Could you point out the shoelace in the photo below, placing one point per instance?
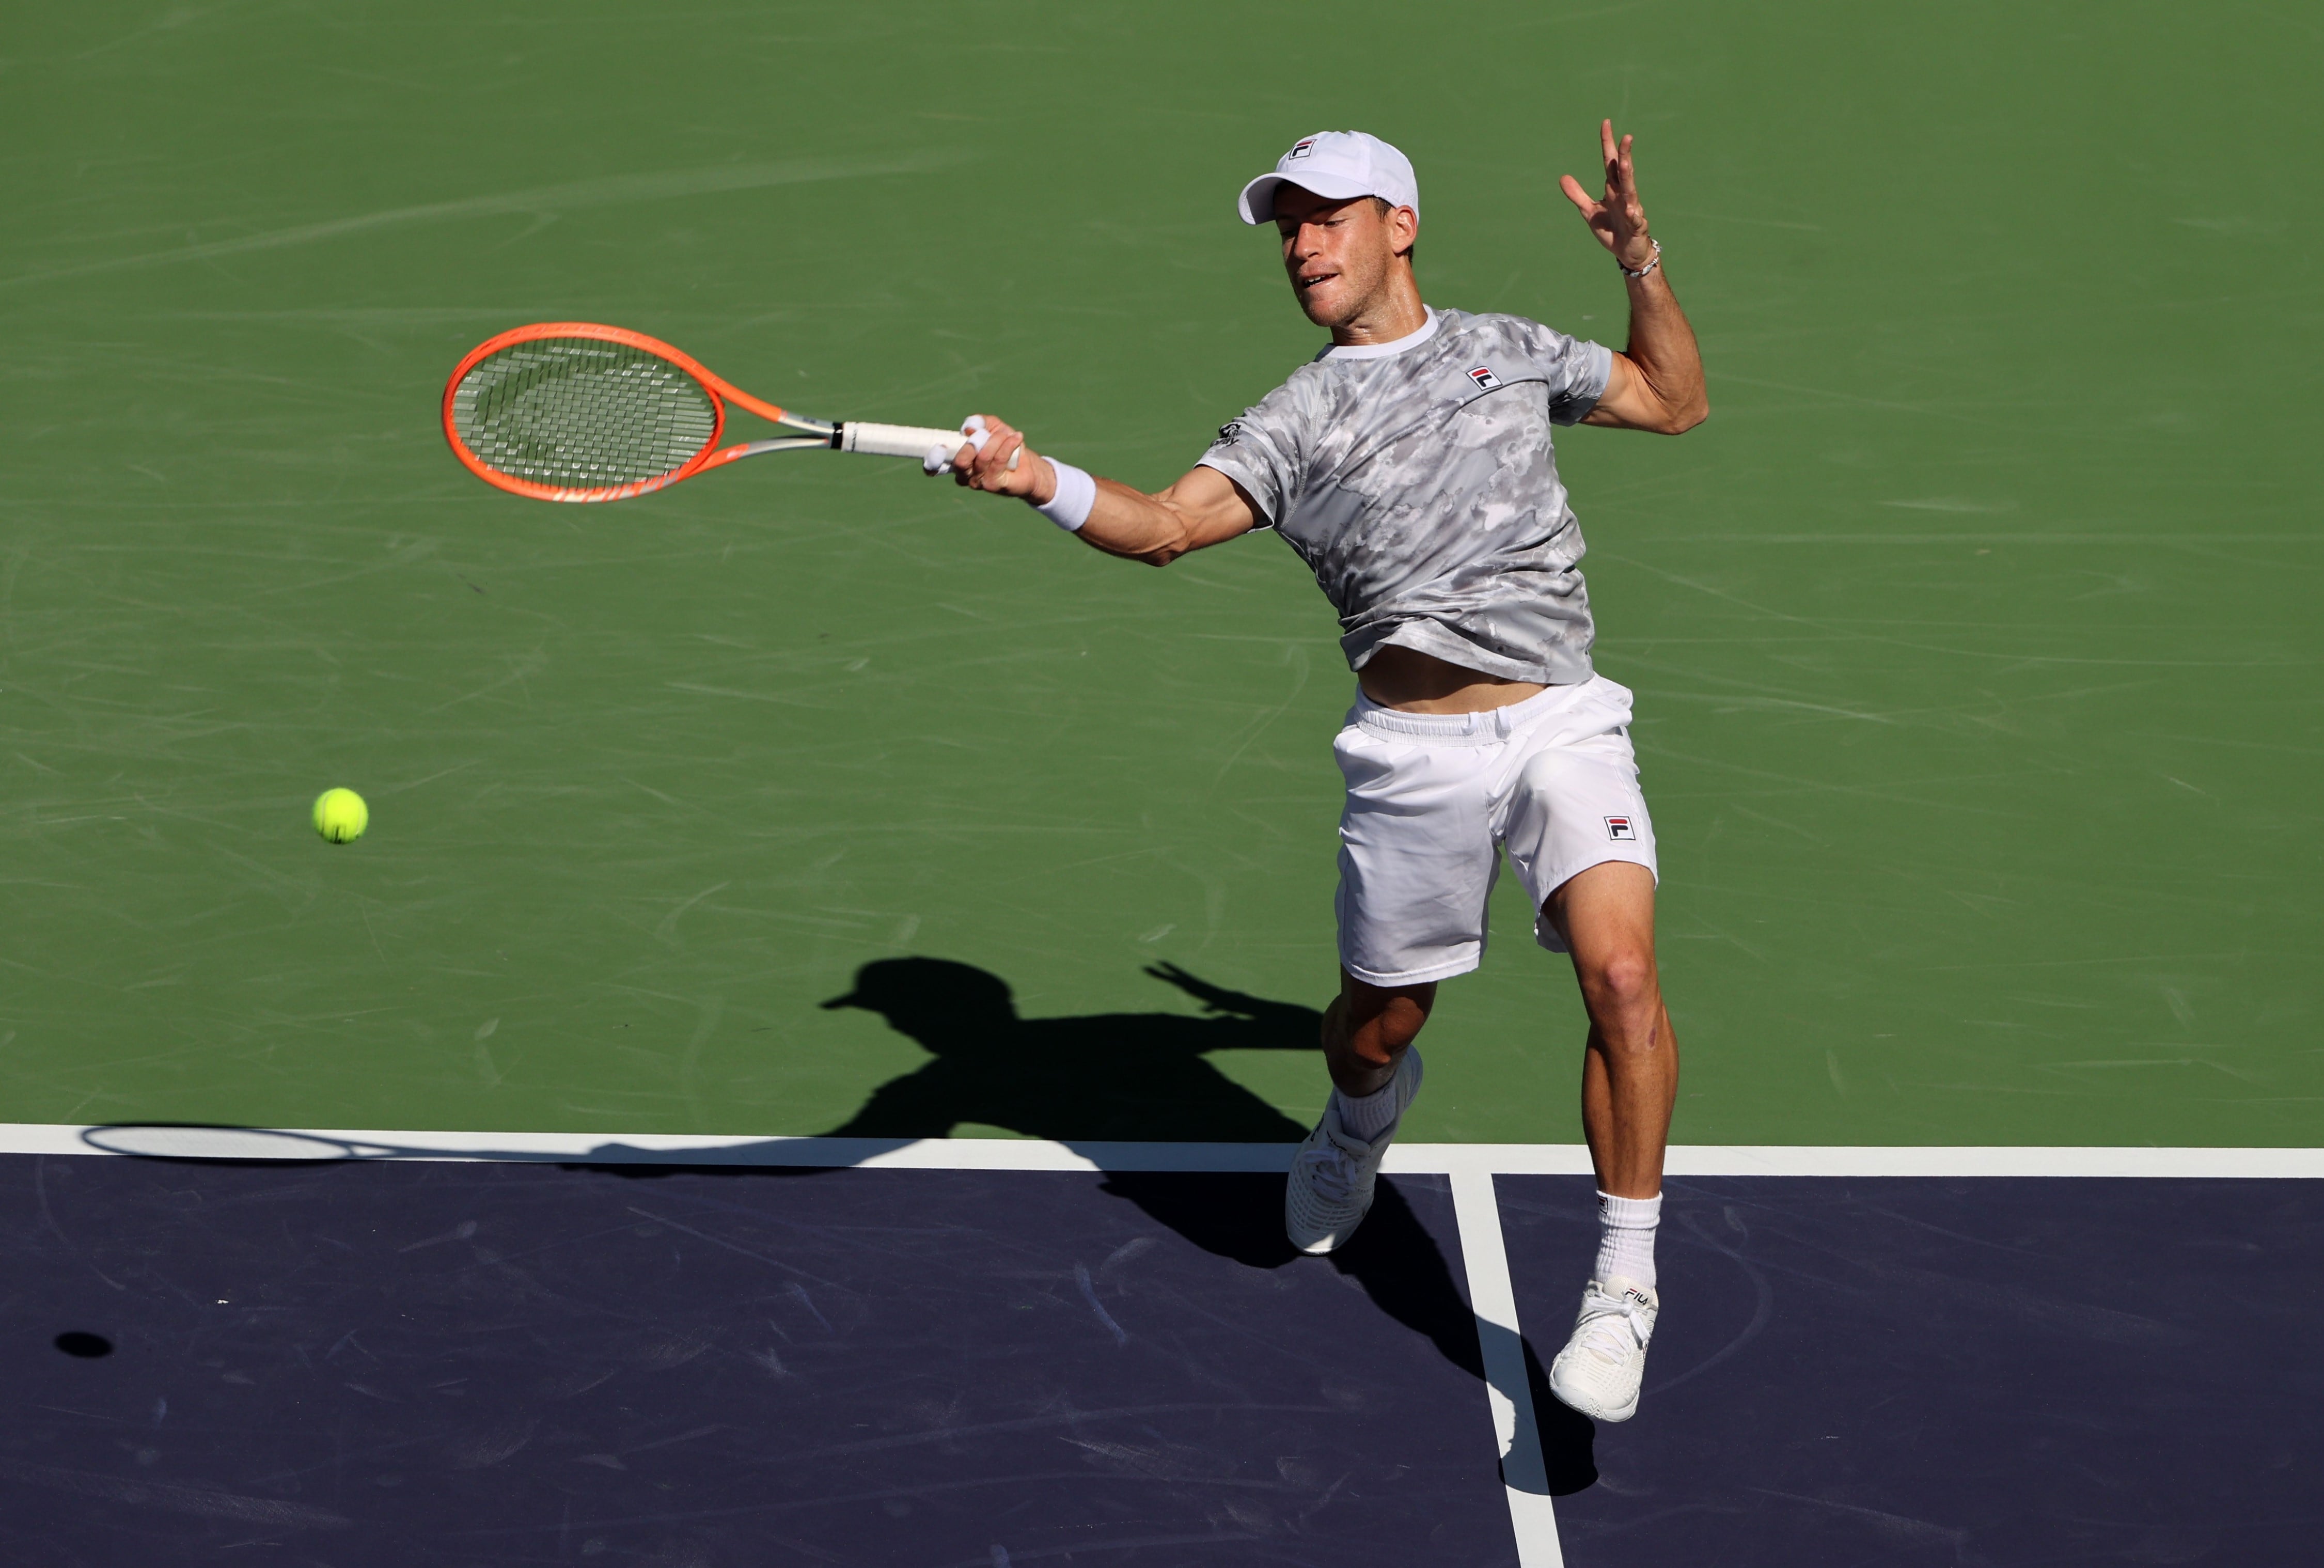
(1603, 1338)
(1330, 1171)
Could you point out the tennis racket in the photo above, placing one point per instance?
(571, 410)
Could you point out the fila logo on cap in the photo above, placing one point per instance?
(1484, 377)
(1620, 828)
(1300, 149)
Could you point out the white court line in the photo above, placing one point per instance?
(1516, 1435)
(1409, 1158)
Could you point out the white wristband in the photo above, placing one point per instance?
(1077, 496)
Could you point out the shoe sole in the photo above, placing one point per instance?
(1325, 1245)
(1622, 1415)
(1328, 1242)
(1594, 1411)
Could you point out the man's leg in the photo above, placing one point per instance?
(1629, 1081)
(1416, 864)
(1629, 1071)
(1368, 1034)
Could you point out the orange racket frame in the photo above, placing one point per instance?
(849, 436)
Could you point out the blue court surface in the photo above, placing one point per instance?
(824, 1352)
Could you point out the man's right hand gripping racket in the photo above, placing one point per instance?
(571, 410)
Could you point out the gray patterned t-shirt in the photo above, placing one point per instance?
(1417, 479)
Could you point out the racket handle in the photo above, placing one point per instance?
(895, 440)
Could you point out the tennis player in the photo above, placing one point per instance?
(1411, 467)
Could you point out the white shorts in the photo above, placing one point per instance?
(1433, 799)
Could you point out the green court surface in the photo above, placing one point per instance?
(1974, 637)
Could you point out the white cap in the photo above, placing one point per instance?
(1339, 166)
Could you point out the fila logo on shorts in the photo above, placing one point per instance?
(1300, 149)
(1484, 377)
(1620, 828)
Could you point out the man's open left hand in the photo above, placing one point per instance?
(1620, 221)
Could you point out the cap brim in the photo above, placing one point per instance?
(1257, 202)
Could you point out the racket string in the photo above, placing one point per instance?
(580, 413)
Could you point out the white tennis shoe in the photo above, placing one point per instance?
(1332, 1175)
(1599, 1371)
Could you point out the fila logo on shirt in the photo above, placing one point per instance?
(1484, 377)
(1302, 148)
(1620, 828)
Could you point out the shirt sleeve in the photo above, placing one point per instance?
(1575, 368)
(1265, 451)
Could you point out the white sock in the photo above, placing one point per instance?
(1371, 1115)
(1625, 1237)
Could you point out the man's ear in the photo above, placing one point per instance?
(1404, 226)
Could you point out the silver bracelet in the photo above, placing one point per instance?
(1649, 267)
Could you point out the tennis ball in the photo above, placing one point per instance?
(341, 816)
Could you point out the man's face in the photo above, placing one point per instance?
(1339, 255)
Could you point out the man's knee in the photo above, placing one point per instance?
(1377, 1022)
(1401, 1017)
(1621, 986)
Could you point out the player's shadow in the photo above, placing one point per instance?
(1146, 1077)
(1140, 1078)
(1102, 1077)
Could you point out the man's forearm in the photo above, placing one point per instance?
(1121, 521)
(1204, 507)
(1663, 347)
(1135, 525)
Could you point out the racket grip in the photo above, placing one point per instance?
(895, 440)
